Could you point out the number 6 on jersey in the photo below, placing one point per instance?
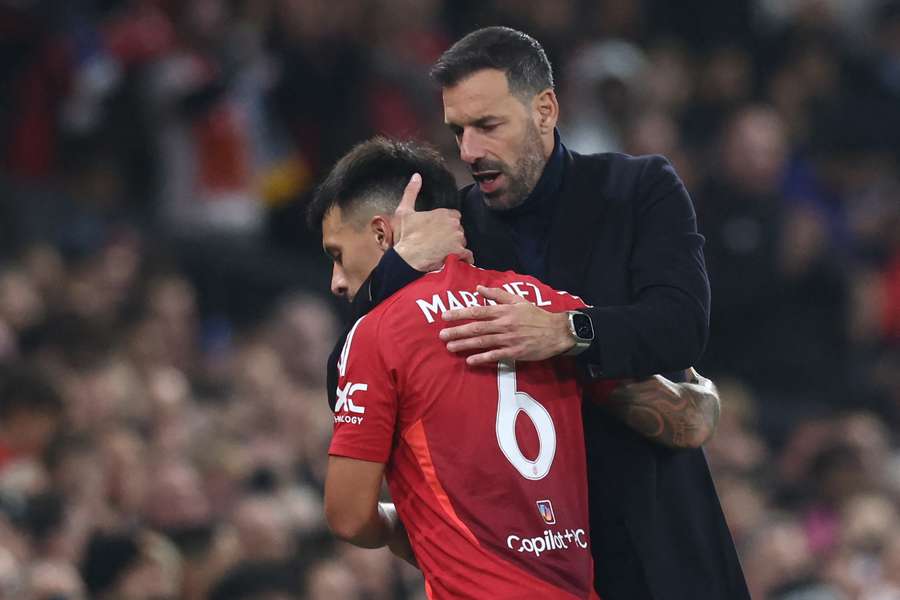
(510, 403)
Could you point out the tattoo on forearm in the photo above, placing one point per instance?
(684, 420)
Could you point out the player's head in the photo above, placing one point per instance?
(354, 205)
(499, 102)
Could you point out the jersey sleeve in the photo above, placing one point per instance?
(365, 411)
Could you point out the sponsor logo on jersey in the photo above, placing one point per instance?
(545, 508)
(549, 541)
(345, 404)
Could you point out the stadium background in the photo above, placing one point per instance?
(156, 277)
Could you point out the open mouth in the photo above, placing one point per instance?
(486, 177)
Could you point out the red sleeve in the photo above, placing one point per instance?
(365, 411)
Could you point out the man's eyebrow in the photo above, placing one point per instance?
(479, 122)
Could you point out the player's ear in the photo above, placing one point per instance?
(382, 231)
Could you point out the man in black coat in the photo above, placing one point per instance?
(618, 231)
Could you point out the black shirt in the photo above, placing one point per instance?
(529, 223)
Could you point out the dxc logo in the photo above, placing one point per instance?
(345, 400)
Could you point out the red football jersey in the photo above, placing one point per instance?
(486, 465)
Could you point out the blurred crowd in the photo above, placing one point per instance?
(163, 333)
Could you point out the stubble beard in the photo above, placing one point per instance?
(525, 174)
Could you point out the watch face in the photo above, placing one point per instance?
(583, 326)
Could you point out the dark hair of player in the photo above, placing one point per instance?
(517, 54)
(374, 174)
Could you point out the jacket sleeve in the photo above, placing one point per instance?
(666, 325)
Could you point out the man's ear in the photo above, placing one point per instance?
(381, 228)
(546, 110)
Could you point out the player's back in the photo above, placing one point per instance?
(486, 465)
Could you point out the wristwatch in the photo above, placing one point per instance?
(582, 329)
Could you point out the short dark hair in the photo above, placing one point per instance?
(517, 54)
(252, 579)
(106, 558)
(376, 172)
(25, 390)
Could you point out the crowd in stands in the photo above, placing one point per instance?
(163, 318)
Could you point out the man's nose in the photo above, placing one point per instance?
(470, 147)
(338, 281)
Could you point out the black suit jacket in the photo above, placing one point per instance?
(624, 238)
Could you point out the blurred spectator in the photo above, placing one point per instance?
(331, 579)
(47, 580)
(602, 95)
(30, 415)
(12, 583)
(769, 265)
(257, 581)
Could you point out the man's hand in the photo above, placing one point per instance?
(513, 329)
(425, 239)
(678, 415)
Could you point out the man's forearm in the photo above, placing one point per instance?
(678, 415)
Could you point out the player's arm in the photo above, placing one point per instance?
(365, 408)
(352, 510)
(678, 415)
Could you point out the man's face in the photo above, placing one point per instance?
(353, 248)
(497, 136)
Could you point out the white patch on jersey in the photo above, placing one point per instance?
(345, 398)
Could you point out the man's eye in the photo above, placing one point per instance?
(490, 127)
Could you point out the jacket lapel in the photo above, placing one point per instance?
(574, 228)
